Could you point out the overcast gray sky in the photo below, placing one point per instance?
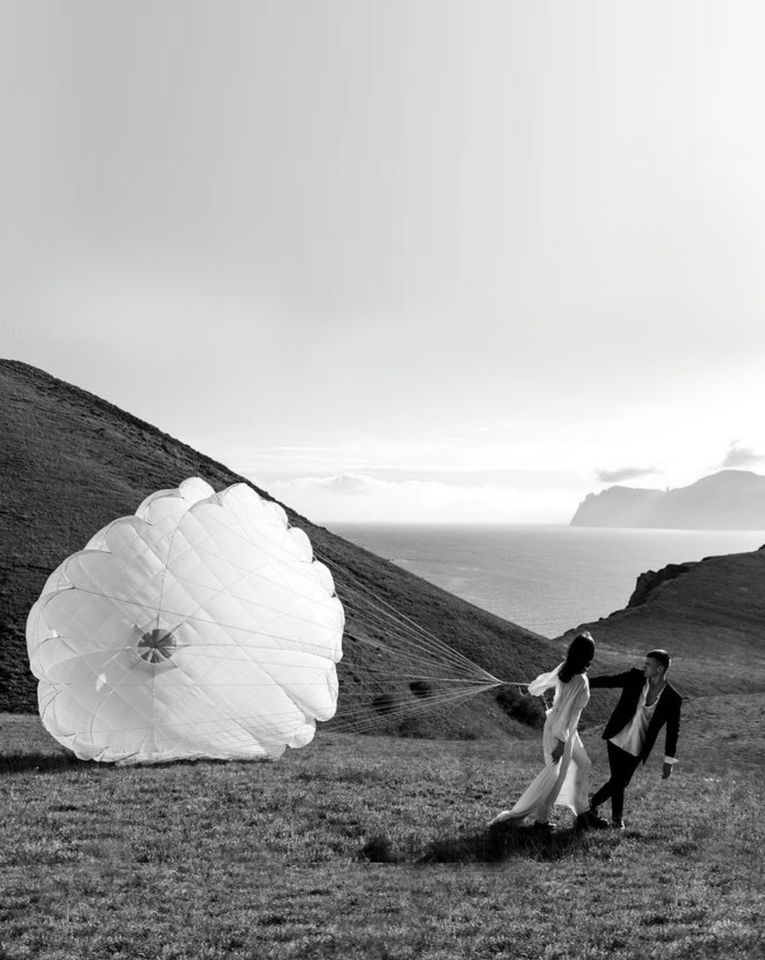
(397, 260)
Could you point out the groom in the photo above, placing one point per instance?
(647, 702)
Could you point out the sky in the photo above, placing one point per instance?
(397, 260)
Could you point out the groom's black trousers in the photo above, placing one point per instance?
(622, 766)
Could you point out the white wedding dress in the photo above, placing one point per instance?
(564, 783)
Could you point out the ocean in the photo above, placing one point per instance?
(546, 578)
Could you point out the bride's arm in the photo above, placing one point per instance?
(571, 707)
(544, 682)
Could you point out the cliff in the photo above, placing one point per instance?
(728, 500)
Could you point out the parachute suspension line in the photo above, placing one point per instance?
(421, 648)
(402, 617)
(399, 710)
(412, 629)
(300, 645)
(397, 614)
(420, 642)
(431, 663)
(424, 636)
(422, 661)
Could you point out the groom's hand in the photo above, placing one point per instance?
(666, 771)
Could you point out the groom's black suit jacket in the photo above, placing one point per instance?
(667, 710)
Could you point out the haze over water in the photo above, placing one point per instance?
(547, 578)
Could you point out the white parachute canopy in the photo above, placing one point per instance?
(200, 627)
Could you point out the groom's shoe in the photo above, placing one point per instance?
(593, 820)
(544, 828)
(618, 825)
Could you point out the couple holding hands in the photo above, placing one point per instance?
(647, 703)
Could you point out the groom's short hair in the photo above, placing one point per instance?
(662, 657)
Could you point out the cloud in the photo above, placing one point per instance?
(350, 484)
(360, 480)
(740, 456)
(623, 473)
(361, 498)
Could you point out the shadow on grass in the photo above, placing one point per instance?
(493, 845)
(42, 762)
(49, 762)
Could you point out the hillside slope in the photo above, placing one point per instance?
(727, 500)
(710, 615)
(71, 462)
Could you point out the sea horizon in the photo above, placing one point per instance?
(548, 578)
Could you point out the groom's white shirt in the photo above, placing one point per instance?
(632, 737)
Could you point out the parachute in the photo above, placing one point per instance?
(201, 627)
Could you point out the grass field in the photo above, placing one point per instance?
(364, 847)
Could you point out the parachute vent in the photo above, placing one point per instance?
(156, 646)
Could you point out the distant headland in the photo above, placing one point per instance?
(728, 500)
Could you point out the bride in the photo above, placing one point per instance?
(564, 778)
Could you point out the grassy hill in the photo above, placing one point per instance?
(71, 462)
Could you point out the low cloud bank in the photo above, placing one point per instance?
(362, 498)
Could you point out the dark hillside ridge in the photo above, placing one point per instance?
(728, 500)
(70, 462)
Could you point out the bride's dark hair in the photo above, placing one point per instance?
(579, 656)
